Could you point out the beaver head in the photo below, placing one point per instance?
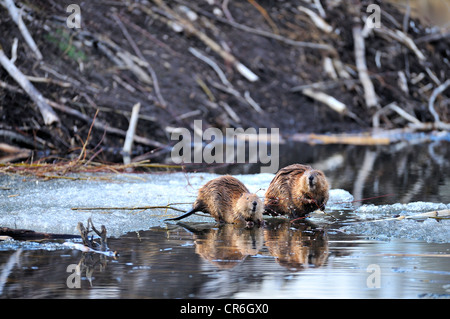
(249, 208)
(313, 181)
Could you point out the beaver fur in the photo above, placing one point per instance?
(229, 201)
(296, 190)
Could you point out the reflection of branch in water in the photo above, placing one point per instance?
(93, 253)
(8, 267)
(363, 173)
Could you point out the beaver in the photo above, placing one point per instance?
(296, 190)
(229, 201)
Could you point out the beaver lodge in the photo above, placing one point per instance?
(69, 81)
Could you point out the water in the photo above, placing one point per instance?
(343, 254)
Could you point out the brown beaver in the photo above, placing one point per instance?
(296, 190)
(228, 201)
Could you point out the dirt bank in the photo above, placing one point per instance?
(184, 60)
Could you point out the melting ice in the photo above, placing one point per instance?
(46, 206)
(370, 222)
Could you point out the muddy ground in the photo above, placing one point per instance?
(83, 70)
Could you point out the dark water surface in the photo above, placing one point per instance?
(281, 261)
(312, 258)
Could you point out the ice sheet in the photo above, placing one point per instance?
(370, 222)
(46, 206)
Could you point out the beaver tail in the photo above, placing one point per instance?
(189, 213)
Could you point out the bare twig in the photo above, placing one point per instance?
(205, 88)
(441, 88)
(141, 56)
(212, 64)
(270, 35)
(252, 102)
(14, 50)
(189, 27)
(265, 15)
(103, 126)
(431, 214)
(326, 99)
(168, 206)
(402, 38)
(230, 111)
(394, 107)
(332, 103)
(226, 11)
(316, 19)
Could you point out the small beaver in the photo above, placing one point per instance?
(228, 201)
(296, 190)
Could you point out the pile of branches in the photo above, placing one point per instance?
(135, 71)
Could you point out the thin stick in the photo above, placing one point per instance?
(141, 56)
(103, 126)
(265, 15)
(190, 28)
(252, 102)
(431, 214)
(83, 151)
(230, 111)
(316, 19)
(212, 64)
(129, 208)
(327, 100)
(441, 88)
(411, 255)
(270, 35)
(394, 107)
(403, 39)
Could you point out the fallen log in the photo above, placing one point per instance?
(27, 234)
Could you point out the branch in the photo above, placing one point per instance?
(130, 133)
(394, 107)
(441, 88)
(17, 18)
(212, 64)
(103, 126)
(262, 33)
(360, 58)
(316, 19)
(47, 112)
(326, 99)
(141, 56)
(168, 206)
(190, 28)
(402, 38)
(431, 214)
